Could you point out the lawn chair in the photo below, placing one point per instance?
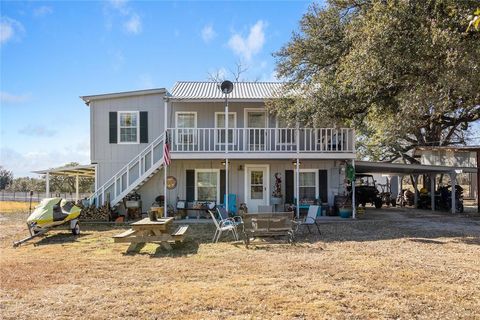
(223, 225)
(223, 215)
(310, 219)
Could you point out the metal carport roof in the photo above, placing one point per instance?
(404, 169)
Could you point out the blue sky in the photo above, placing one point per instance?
(53, 52)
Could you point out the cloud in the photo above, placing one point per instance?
(10, 29)
(250, 45)
(23, 163)
(37, 131)
(131, 20)
(9, 98)
(208, 34)
(42, 11)
(133, 25)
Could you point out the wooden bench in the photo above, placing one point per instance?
(123, 235)
(269, 224)
(179, 233)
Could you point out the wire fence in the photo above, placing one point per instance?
(24, 196)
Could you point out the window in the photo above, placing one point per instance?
(207, 184)
(220, 123)
(128, 127)
(308, 185)
(186, 122)
(285, 133)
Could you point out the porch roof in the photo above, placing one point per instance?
(81, 171)
(404, 169)
(208, 91)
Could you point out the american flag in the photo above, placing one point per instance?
(166, 151)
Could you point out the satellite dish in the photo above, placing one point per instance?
(226, 86)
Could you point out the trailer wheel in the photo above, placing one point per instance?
(76, 229)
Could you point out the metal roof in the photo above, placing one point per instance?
(81, 171)
(198, 90)
(404, 169)
(124, 94)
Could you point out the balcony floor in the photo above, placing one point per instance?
(263, 155)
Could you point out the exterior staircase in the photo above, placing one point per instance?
(132, 176)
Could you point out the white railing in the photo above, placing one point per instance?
(132, 174)
(319, 140)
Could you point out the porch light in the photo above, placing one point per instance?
(294, 162)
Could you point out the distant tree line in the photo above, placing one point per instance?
(57, 183)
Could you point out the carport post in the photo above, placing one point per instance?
(415, 191)
(76, 188)
(453, 179)
(432, 190)
(47, 185)
(400, 187)
(354, 207)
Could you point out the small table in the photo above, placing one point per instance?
(145, 230)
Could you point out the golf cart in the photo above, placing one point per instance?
(366, 191)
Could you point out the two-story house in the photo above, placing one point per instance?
(129, 131)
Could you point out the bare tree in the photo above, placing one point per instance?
(236, 73)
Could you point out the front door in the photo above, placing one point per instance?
(256, 186)
(256, 124)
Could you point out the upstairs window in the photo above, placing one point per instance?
(128, 127)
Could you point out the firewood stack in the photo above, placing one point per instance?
(93, 213)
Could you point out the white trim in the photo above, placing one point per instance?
(245, 116)
(267, 182)
(234, 139)
(217, 171)
(317, 182)
(194, 134)
(118, 127)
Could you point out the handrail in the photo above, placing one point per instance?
(126, 170)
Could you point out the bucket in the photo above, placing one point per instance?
(345, 212)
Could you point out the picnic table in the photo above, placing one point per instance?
(145, 230)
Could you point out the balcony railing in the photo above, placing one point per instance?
(320, 140)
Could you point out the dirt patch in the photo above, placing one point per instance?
(371, 268)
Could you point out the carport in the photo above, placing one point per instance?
(415, 170)
(88, 170)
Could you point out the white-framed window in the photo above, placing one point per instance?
(186, 124)
(308, 185)
(285, 133)
(128, 127)
(220, 124)
(207, 184)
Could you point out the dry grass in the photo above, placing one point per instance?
(16, 206)
(413, 267)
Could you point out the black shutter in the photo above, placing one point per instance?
(289, 192)
(112, 116)
(190, 183)
(323, 185)
(143, 127)
(222, 186)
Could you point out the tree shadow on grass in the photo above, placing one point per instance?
(60, 238)
(154, 250)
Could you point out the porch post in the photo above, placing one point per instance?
(354, 207)
(165, 127)
(76, 188)
(415, 191)
(297, 188)
(47, 185)
(432, 190)
(453, 179)
(226, 153)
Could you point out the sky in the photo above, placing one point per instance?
(53, 52)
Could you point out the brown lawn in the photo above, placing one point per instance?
(399, 266)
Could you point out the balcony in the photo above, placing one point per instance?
(282, 142)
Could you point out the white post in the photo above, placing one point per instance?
(226, 152)
(297, 187)
(453, 179)
(164, 190)
(400, 185)
(47, 185)
(354, 207)
(165, 114)
(76, 188)
(432, 191)
(415, 191)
